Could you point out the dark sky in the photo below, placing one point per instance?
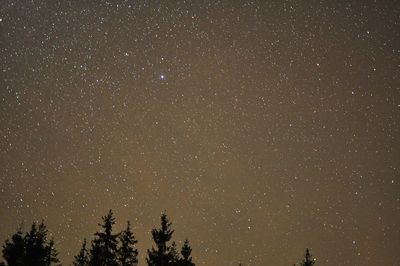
(262, 127)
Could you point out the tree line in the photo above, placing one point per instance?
(34, 248)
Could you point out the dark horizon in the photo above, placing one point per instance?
(261, 126)
(125, 251)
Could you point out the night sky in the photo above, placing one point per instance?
(261, 127)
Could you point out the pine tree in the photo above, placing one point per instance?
(173, 256)
(186, 252)
(14, 250)
(34, 245)
(308, 260)
(82, 259)
(39, 251)
(32, 249)
(127, 253)
(160, 256)
(104, 246)
(52, 254)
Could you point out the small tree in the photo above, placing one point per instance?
(160, 256)
(52, 255)
(173, 255)
(186, 251)
(82, 259)
(308, 260)
(104, 246)
(127, 253)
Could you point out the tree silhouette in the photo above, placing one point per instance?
(33, 249)
(34, 245)
(104, 246)
(82, 259)
(127, 253)
(308, 260)
(173, 254)
(52, 254)
(14, 250)
(161, 255)
(186, 259)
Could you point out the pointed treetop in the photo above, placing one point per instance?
(127, 253)
(82, 259)
(308, 259)
(186, 251)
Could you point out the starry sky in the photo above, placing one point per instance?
(261, 127)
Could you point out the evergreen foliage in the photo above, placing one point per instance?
(104, 246)
(14, 250)
(308, 259)
(82, 259)
(173, 254)
(127, 253)
(186, 251)
(161, 256)
(33, 249)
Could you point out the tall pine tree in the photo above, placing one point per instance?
(160, 256)
(82, 259)
(34, 245)
(127, 253)
(104, 246)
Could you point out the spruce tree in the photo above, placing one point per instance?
(127, 253)
(173, 256)
(104, 246)
(82, 259)
(39, 251)
(160, 256)
(52, 254)
(34, 245)
(14, 250)
(186, 251)
(33, 249)
(308, 260)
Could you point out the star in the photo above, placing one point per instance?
(247, 121)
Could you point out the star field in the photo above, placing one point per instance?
(262, 127)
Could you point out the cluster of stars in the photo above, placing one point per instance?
(262, 127)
